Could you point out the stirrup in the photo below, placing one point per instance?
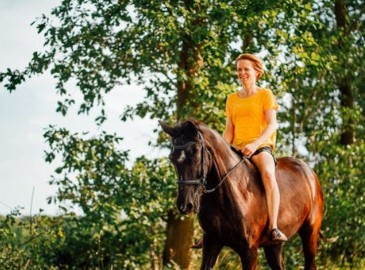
(277, 236)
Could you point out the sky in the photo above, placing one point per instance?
(28, 111)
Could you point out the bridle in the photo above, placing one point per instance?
(202, 181)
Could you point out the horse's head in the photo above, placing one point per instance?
(191, 161)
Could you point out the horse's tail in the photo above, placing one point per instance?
(327, 240)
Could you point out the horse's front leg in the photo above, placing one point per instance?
(249, 258)
(211, 251)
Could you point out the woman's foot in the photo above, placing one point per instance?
(277, 236)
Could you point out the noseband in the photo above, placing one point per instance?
(201, 182)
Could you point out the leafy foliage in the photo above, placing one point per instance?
(181, 53)
(123, 213)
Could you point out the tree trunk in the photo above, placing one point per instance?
(179, 237)
(347, 103)
(180, 231)
(344, 83)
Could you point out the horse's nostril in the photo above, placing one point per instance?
(186, 209)
(181, 208)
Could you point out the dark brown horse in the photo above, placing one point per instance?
(226, 192)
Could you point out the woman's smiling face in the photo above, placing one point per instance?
(246, 72)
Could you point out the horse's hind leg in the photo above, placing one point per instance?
(310, 236)
(274, 257)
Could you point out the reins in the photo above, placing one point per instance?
(224, 178)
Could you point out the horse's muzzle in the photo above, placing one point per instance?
(185, 209)
(186, 200)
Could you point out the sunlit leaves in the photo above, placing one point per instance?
(119, 204)
(181, 53)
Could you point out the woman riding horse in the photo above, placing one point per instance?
(251, 127)
(227, 192)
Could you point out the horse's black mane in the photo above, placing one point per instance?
(233, 148)
(237, 151)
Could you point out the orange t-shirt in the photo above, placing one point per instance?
(248, 117)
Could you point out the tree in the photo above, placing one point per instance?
(103, 44)
(323, 78)
(182, 53)
(123, 213)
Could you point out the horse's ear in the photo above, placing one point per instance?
(191, 128)
(168, 129)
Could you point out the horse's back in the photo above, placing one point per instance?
(294, 174)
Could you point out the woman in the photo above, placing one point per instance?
(251, 127)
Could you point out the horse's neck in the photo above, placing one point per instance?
(231, 198)
(227, 176)
(230, 174)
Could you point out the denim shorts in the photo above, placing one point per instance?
(265, 149)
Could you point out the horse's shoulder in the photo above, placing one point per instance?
(253, 175)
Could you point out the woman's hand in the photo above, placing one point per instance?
(249, 149)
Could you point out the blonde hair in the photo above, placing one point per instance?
(257, 63)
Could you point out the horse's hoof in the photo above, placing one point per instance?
(277, 236)
(198, 244)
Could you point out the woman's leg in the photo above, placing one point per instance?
(266, 164)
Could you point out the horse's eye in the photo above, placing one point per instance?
(195, 150)
(194, 153)
(172, 156)
(196, 158)
(178, 140)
